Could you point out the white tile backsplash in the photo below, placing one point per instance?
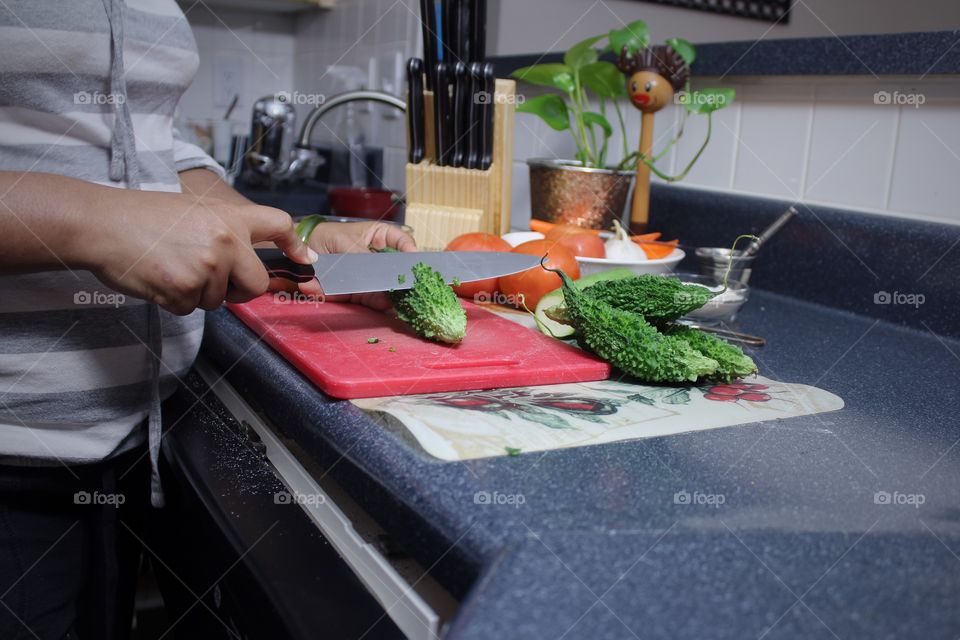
(849, 151)
(927, 164)
(772, 139)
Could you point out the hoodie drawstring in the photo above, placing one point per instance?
(124, 165)
(123, 146)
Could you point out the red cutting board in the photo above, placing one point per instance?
(328, 344)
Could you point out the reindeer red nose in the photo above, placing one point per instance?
(642, 99)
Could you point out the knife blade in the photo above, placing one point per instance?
(349, 273)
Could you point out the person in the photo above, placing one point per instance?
(115, 235)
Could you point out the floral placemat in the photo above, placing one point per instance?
(479, 424)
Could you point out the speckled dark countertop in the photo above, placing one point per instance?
(800, 548)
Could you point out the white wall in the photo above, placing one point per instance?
(537, 26)
(259, 45)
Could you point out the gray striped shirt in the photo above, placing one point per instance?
(75, 369)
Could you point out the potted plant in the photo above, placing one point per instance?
(590, 190)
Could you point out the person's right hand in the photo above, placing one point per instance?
(183, 252)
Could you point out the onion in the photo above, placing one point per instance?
(620, 248)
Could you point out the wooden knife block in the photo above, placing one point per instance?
(445, 202)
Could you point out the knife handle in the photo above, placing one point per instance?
(461, 115)
(477, 101)
(489, 87)
(441, 114)
(479, 30)
(415, 109)
(280, 266)
(428, 25)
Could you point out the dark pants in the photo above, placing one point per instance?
(70, 548)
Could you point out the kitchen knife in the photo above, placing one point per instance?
(464, 30)
(489, 88)
(441, 114)
(428, 25)
(461, 115)
(348, 273)
(451, 48)
(415, 109)
(477, 99)
(478, 36)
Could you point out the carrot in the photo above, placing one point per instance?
(541, 226)
(544, 227)
(657, 250)
(646, 237)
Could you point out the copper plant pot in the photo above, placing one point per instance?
(566, 192)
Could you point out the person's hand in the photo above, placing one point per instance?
(184, 252)
(357, 237)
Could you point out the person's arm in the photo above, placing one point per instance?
(204, 182)
(180, 251)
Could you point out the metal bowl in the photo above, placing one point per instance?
(722, 308)
(714, 262)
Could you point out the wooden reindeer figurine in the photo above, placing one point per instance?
(653, 75)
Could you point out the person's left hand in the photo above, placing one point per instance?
(357, 237)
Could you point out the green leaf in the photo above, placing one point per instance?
(706, 100)
(556, 75)
(685, 50)
(550, 107)
(592, 117)
(513, 451)
(604, 79)
(581, 54)
(634, 37)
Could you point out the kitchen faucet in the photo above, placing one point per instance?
(274, 119)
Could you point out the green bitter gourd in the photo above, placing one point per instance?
(657, 298)
(732, 362)
(629, 342)
(430, 307)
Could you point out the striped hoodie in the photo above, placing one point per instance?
(88, 90)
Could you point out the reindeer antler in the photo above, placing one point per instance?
(661, 59)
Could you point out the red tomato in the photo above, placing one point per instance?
(583, 244)
(531, 285)
(478, 242)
